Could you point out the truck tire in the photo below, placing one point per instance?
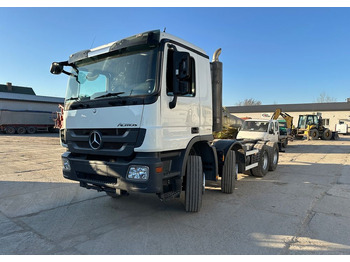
(285, 143)
(194, 184)
(263, 161)
(229, 172)
(273, 155)
(21, 130)
(314, 134)
(10, 130)
(327, 134)
(31, 130)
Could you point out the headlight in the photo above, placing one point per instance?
(66, 164)
(138, 173)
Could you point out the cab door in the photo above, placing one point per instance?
(273, 132)
(180, 103)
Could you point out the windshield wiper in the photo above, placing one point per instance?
(110, 94)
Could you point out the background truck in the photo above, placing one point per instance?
(262, 129)
(26, 121)
(343, 127)
(139, 116)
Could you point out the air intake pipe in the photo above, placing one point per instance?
(216, 80)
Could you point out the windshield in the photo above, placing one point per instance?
(255, 126)
(114, 76)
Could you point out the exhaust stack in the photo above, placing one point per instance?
(216, 78)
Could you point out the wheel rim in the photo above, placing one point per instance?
(265, 160)
(203, 183)
(275, 156)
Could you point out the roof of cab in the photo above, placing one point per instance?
(106, 48)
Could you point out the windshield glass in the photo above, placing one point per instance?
(115, 76)
(255, 126)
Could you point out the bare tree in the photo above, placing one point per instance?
(249, 102)
(324, 98)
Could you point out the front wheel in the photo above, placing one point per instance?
(194, 184)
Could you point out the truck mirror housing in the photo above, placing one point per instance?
(56, 68)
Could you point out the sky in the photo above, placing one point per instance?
(278, 55)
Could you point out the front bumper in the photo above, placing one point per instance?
(107, 174)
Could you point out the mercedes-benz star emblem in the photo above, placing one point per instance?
(95, 140)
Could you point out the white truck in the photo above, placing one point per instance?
(139, 116)
(262, 129)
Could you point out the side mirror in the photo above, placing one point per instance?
(271, 131)
(56, 68)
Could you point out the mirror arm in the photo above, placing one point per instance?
(70, 74)
(172, 104)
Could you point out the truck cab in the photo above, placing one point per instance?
(139, 116)
(261, 129)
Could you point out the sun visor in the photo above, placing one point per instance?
(149, 39)
(78, 56)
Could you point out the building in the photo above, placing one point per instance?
(24, 98)
(9, 88)
(332, 113)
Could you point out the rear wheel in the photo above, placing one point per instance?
(285, 143)
(21, 130)
(229, 173)
(194, 184)
(10, 130)
(273, 155)
(263, 161)
(31, 130)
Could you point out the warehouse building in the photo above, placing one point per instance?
(22, 111)
(24, 98)
(332, 113)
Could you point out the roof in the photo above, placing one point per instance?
(313, 107)
(134, 40)
(32, 98)
(17, 90)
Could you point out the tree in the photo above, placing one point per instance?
(249, 102)
(324, 98)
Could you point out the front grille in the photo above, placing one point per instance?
(115, 141)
